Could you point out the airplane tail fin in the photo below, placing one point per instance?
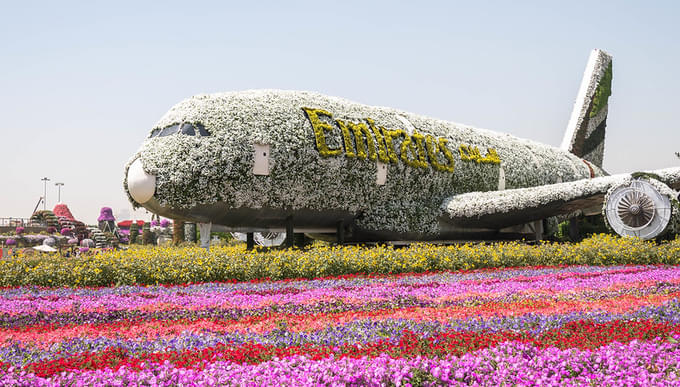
(585, 132)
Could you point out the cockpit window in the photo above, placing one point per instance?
(186, 129)
(201, 130)
(155, 132)
(194, 130)
(172, 129)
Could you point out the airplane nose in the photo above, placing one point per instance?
(141, 185)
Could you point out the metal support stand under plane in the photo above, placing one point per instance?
(290, 240)
(340, 233)
(204, 229)
(250, 241)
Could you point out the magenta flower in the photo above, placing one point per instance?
(51, 230)
(65, 231)
(19, 230)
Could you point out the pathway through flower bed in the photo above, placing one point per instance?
(569, 325)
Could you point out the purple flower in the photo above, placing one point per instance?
(154, 223)
(165, 223)
(65, 231)
(10, 242)
(84, 249)
(106, 214)
(636, 363)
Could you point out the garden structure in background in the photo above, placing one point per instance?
(58, 232)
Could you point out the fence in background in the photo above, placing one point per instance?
(18, 222)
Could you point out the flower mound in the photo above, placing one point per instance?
(574, 325)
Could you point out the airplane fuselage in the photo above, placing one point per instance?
(259, 160)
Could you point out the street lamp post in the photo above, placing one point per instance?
(45, 180)
(59, 185)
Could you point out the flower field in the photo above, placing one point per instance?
(538, 325)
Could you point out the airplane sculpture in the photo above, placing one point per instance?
(301, 162)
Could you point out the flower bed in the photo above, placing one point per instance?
(169, 265)
(537, 325)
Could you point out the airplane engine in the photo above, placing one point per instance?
(639, 208)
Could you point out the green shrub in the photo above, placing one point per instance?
(177, 265)
(134, 232)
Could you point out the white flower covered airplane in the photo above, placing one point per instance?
(271, 160)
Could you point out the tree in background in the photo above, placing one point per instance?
(147, 236)
(177, 232)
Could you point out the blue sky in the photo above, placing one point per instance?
(81, 83)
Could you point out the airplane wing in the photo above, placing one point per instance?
(499, 209)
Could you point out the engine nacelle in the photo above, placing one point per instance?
(639, 208)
